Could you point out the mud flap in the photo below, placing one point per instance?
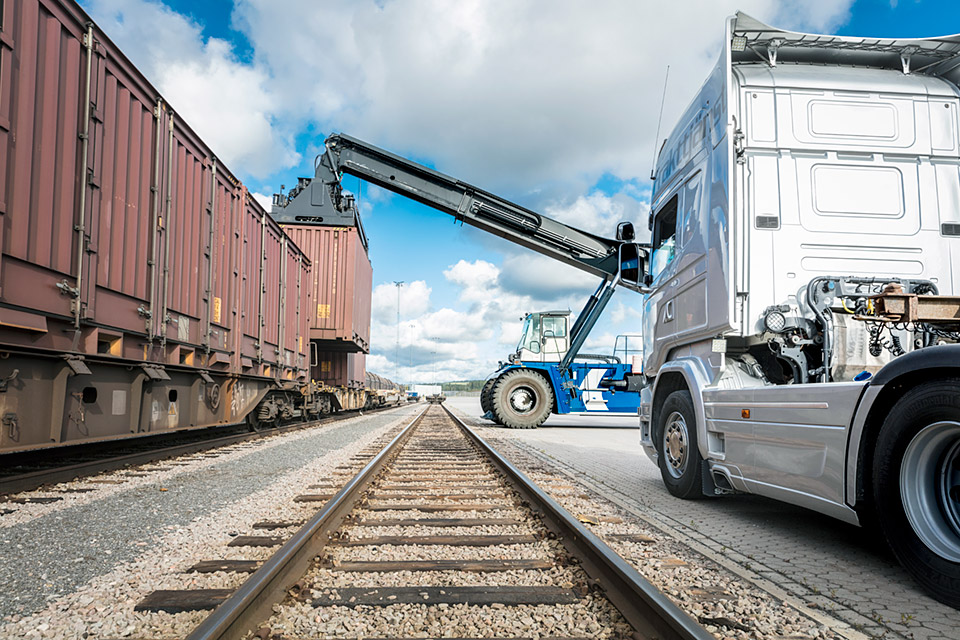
(707, 485)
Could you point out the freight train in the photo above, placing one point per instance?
(142, 287)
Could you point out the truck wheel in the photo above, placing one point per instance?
(522, 399)
(486, 403)
(916, 486)
(679, 457)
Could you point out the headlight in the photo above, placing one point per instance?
(774, 321)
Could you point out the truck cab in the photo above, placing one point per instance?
(802, 322)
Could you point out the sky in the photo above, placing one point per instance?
(552, 104)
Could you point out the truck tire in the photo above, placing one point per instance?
(681, 466)
(486, 402)
(522, 399)
(916, 486)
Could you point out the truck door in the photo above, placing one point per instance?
(660, 309)
(677, 303)
(691, 259)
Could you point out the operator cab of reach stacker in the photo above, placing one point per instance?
(545, 337)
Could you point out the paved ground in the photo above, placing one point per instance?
(844, 571)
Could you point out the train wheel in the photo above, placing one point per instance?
(522, 399)
(679, 456)
(916, 486)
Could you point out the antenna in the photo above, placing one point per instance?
(663, 97)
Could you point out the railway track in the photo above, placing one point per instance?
(32, 470)
(436, 534)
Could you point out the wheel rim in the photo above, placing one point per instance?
(523, 399)
(675, 439)
(930, 487)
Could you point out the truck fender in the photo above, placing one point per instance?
(910, 369)
(696, 379)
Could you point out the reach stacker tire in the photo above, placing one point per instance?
(486, 396)
(916, 486)
(522, 399)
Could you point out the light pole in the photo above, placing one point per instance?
(396, 354)
(410, 338)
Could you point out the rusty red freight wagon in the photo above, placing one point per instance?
(339, 369)
(341, 285)
(344, 375)
(141, 287)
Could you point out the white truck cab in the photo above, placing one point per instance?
(811, 187)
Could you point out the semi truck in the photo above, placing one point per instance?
(802, 316)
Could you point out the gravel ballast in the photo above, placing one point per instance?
(726, 605)
(89, 563)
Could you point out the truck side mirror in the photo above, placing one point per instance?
(632, 265)
(626, 232)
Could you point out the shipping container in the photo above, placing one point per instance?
(340, 368)
(141, 287)
(341, 285)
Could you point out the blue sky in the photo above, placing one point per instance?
(555, 109)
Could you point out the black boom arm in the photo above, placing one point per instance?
(322, 200)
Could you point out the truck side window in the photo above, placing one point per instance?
(664, 236)
(690, 220)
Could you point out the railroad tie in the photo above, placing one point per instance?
(630, 537)
(277, 524)
(439, 522)
(256, 541)
(472, 566)
(458, 541)
(313, 497)
(484, 595)
(237, 566)
(386, 506)
(180, 600)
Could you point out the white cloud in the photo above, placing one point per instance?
(227, 102)
(521, 96)
(476, 279)
(414, 300)
(543, 278)
(265, 201)
(599, 213)
(469, 340)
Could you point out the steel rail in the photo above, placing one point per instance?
(36, 479)
(646, 608)
(253, 601)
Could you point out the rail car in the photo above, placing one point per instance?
(142, 288)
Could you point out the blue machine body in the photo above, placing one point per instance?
(577, 389)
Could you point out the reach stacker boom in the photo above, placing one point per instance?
(522, 394)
